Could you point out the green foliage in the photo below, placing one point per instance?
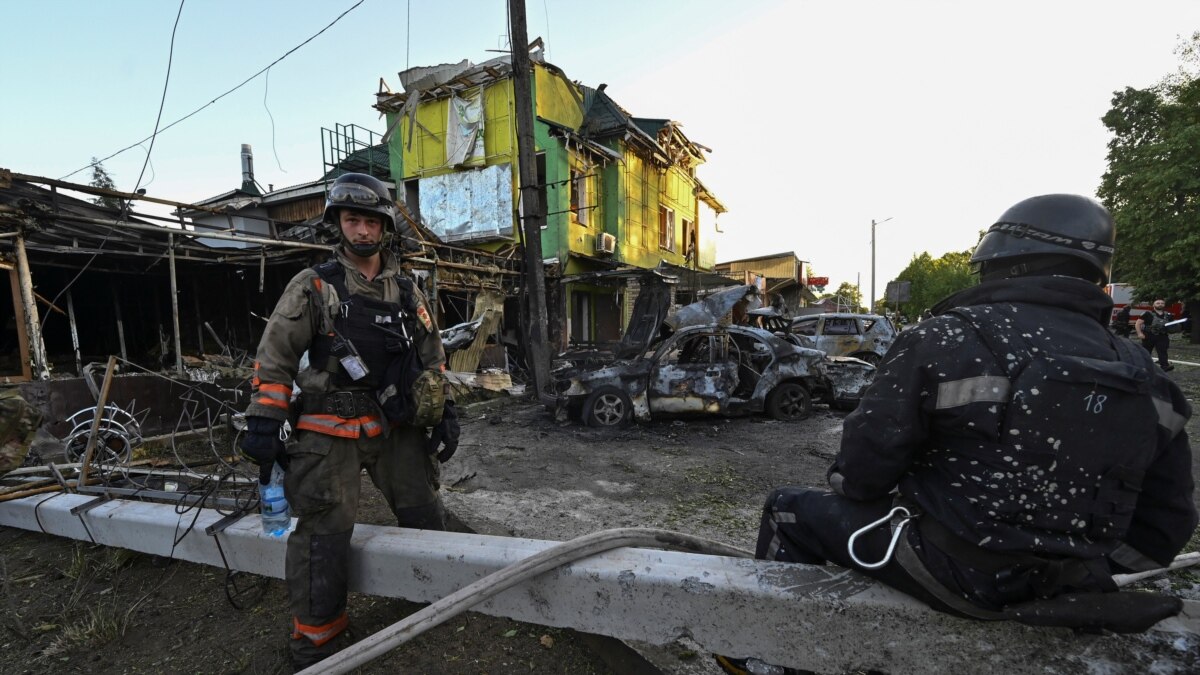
(848, 297)
(1152, 185)
(102, 179)
(933, 279)
(809, 274)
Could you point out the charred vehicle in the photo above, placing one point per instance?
(863, 336)
(693, 364)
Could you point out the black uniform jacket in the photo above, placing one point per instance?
(891, 441)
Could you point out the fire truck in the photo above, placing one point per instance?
(1122, 295)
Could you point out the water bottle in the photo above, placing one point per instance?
(276, 516)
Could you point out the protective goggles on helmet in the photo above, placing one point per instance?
(353, 193)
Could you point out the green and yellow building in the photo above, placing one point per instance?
(617, 191)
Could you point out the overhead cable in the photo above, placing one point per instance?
(244, 82)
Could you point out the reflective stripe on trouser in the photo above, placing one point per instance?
(319, 635)
(322, 486)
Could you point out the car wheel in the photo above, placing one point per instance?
(789, 401)
(607, 407)
(870, 357)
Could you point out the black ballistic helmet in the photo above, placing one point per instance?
(1044, 232)
(360, 192)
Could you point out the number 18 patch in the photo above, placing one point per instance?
(424, 317)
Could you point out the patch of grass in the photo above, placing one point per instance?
(78, 565)
(113, 560)
(98, 626)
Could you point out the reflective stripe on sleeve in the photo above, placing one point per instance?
(274, 395)
(982, 389)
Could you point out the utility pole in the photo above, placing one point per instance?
(871, 300)
(530, 210)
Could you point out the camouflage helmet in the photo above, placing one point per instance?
(361, 192)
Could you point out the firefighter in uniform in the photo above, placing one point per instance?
(358, 317)
(1014, 452)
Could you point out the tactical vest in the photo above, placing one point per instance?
(1155, 324)
(374, 330)
(1074, 439)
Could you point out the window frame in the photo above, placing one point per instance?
(666, 228)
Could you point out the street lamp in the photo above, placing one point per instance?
(871, 302)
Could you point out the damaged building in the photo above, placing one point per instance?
(88, 280)
(617, 191)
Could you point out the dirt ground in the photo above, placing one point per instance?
(72, 607)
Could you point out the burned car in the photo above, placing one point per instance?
(694, 364)
(863, 336)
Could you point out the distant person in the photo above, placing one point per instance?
(1152, 331)
(1121, 324)
(1016, 452)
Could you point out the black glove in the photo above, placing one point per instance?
(445, 433)
(261, 444)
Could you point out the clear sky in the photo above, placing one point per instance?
(822, 116)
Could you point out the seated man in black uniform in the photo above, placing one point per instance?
(1014, 450)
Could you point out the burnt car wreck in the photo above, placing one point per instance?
(693, 363)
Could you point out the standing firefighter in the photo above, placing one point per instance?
(1015, 451)
(373, 386)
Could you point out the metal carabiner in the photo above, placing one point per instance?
(887, 556)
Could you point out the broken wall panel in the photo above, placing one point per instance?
(158, 403)
(469, 205)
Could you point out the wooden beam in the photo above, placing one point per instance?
(36, 347)
(101, 401)
(22, 333)
(175, 307)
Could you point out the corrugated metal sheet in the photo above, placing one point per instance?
(298, 211)
(782, 267)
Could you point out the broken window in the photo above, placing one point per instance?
(579, 197)
(689, 238)
(841, 326)
(805, 327)
(666, 228)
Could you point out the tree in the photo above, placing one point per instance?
(1152, 185)
(847, 296)
(935, 278)
(102, 179)
(808, 274)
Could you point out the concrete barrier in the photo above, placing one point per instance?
(825, 619)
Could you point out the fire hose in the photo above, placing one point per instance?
(375, 646)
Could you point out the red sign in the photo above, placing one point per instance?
(818, 281)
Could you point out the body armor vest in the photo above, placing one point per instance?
(374, 332)
(1064, 467)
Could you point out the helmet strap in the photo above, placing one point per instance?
(362, 250)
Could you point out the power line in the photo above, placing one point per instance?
(244, 82)
(163, 100)
(125, 209)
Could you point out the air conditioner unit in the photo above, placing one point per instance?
(606, 243)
